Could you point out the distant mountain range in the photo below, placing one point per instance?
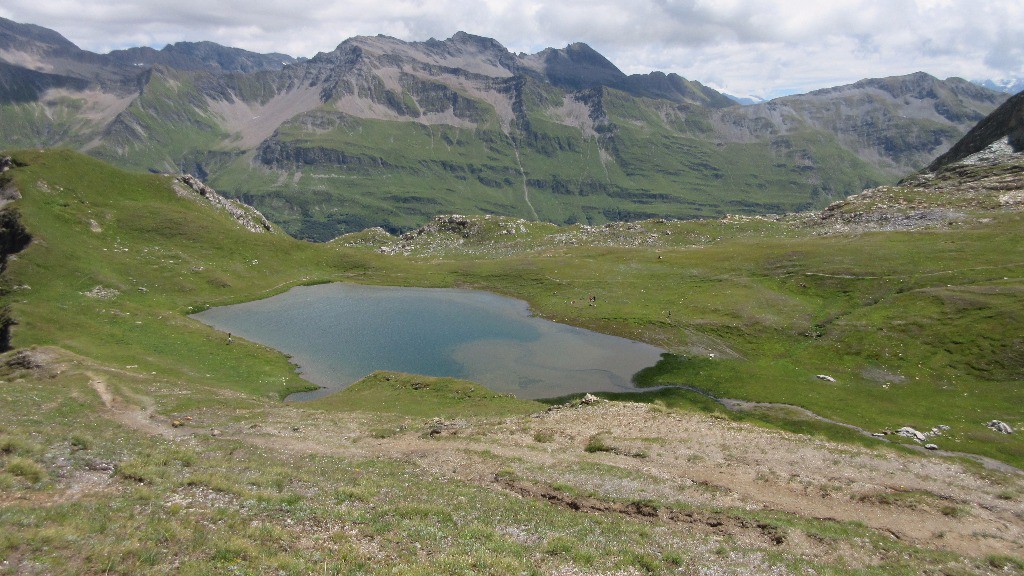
(382, 132)
(1008, 85)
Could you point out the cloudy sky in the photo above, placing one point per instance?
(744, 47)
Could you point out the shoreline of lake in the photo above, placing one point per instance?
(339, 333)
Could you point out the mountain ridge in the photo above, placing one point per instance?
(384, 132)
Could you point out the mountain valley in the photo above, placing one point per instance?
(836, 278)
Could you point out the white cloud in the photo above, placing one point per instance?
(742, 46)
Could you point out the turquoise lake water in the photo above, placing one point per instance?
(339, 333)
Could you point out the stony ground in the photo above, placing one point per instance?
(692, 465)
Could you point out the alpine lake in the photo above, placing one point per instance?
(338, 333)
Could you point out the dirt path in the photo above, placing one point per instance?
(135, 417)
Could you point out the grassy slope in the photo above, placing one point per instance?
(919, 328)
(755, 288)
(59, 123)
(944, 334)
(423, 397)
(160, 255)
(167, 128)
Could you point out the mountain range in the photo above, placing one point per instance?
(840, 391)
(383, 132)
(1008, 85)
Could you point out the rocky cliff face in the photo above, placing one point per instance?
(247, 216)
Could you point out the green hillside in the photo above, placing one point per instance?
(780, 302)
(324, 173)
(137, 440)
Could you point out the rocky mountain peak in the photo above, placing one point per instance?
(463, 51)
(480, 43)
(924, 86)
(16, 35)
(673, 87)
(575, 67)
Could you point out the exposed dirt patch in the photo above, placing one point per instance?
(132, 416)
(689, 464)
(722, 524)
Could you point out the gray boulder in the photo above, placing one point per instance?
(908, 432)
(1000, 426)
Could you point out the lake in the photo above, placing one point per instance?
(339, 333)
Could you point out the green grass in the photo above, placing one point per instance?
(918, 328)
(936, 312)
(180, 130)
(598, 443)
(422, 397)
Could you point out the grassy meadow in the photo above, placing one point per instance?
(918, 328)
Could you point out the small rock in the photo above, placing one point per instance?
(102, 293)
(215, 432)
(908, 432)
(295, 428)
(878, 435)
(931, 446)
(826, 378)
(1000, 426)
(589, 399)
(99, 466)
(177, 423)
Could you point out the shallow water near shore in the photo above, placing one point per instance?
(339, 333)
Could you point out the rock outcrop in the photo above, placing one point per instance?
(908, 432)
(247, 216)
(1003, 127)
